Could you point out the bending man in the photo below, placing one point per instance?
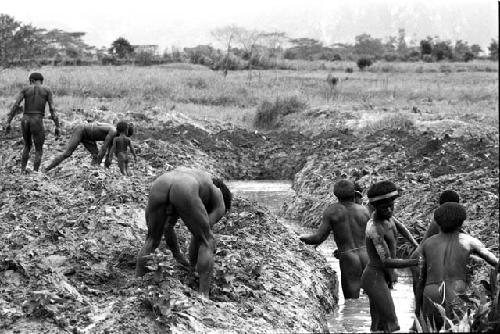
(200, 201)
(347, 220)
(88, 135)
(35, 98)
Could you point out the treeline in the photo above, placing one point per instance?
(239, 48)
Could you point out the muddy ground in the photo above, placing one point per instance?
(70, 237)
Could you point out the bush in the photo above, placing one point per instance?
(349, 70)
(364, 62)
(428, 58)
(269, 114)
(390, 57)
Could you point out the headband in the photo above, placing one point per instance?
(388, 195)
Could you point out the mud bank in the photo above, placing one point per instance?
(70, 240)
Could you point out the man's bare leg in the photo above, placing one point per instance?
(193, 252)
(156, 220)
(74, 141)
(172, 242)
(205, 265)
(25, 127)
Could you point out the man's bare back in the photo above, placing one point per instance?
(348, 221)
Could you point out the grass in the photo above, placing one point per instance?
(197, 90)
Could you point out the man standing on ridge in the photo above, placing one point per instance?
(35, 98)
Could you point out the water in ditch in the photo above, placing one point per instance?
(352, 315)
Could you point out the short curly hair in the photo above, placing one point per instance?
(344, 190)
(122, 127)
(448, 196)
(383, 192)
(450, 216)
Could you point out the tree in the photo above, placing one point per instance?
(476, 50)
(8, 27)
(367, 46)
(442, 50)
(462, 51)
(274, 42)
(225, 36)
(493, 48)
(401, 41)
(122, 48)
(248, 40)
(426, 46)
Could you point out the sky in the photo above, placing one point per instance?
(187, 23)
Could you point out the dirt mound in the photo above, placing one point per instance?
(71, 238)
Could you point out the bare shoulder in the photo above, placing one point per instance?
(335, 210)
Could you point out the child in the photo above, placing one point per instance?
(444, 266)
(121, 143)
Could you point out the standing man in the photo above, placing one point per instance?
(200, 201)
(35, 98)
(444, 268)
(347, 219)
(88, 134)
(379, 276)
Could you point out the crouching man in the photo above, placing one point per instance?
(200, 201)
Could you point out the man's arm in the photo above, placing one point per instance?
(50, 102)
(384, 254)
(478, 248)
(218, 209)
(405, 233)
(14, 109)
(323, 230)
(419, 293)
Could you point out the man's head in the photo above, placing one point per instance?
(448, 196)
(450, 216)
(344, 190)
(226, 193)
(122, 127)
(381, 196)
(130, 130)
(35, 76)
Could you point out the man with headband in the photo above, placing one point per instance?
(35, 98)
(379, 276)
(444, 266)
(347, 219)
(88, 135)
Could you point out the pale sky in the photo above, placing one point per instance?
(183, 23)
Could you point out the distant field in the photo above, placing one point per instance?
(451, 90)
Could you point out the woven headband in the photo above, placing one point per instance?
(388, 195)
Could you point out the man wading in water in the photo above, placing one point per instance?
(444, 267)
(347, 220)
(88, 134)
(379, 275)
(35, 98)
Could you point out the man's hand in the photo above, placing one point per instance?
(7, 128)
(57, 133)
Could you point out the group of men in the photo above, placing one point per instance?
(366, 238)
(36, 97)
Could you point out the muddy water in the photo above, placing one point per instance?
(352, 315)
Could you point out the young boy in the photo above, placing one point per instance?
(379, 276)
(444, 266)
(121, 143)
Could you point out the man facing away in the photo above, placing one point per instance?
(443, 273)
(200, 201)
(35, 98)
(347, 220)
